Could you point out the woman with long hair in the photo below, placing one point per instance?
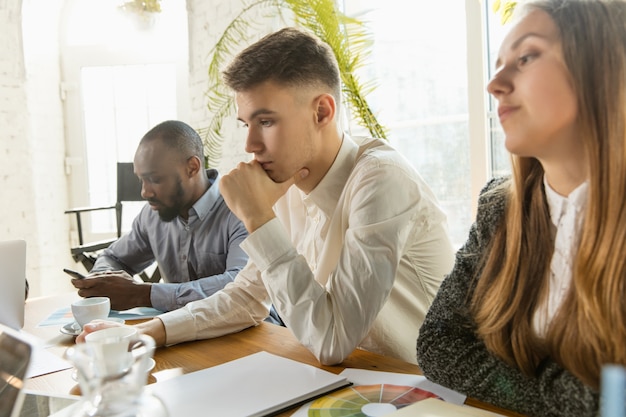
(534, 306)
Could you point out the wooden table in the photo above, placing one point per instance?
(188, 357)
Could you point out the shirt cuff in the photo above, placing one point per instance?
(178, 326)
(163, 296)
(267, 244)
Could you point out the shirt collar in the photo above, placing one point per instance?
(558, 204)
(326, 194)
(207, 201)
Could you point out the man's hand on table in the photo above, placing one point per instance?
(153, 328)
(123, 291)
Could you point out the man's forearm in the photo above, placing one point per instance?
(155, 329)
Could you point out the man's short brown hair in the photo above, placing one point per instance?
(290, 57)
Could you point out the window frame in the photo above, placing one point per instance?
(481, 167)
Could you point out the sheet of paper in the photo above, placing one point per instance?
(40, 362)
(365, 377)
(44, 362)
(64, 315)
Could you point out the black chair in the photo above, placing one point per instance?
(128, 189)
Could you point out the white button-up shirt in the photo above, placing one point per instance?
(357, 262)
(567, 214)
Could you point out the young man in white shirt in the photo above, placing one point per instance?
(346, 240)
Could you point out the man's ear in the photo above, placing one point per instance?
(193, 166)
(326, 108)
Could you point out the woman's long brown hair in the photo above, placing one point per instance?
(589, 330)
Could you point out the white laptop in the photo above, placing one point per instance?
(12, 282)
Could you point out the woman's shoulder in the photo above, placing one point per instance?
(494, 195)
(492, 204)
(495, 191)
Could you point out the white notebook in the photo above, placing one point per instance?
(260, 384)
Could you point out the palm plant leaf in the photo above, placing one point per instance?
(235, 35)
(220, 102)
(346, 36)
(349, 42)
(506, 10)
(222, 107)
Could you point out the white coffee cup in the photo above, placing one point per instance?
(112, 347)
(88, 309)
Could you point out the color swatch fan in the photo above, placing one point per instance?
(367, 401)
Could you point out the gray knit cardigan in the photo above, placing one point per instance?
(449, 352)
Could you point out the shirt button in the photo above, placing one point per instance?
(184, 257)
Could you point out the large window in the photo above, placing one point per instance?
(495, 35)
(120, 103)
(123, 72)
(421, 60)
(419, 64)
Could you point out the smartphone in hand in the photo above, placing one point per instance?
(74, 274)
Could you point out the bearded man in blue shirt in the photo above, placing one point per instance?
(186, 228)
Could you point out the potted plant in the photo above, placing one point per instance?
(346, 36)
(144, 11)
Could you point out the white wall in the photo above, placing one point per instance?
(32, 142)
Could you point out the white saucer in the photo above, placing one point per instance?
(73, 329)
(151, 364)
